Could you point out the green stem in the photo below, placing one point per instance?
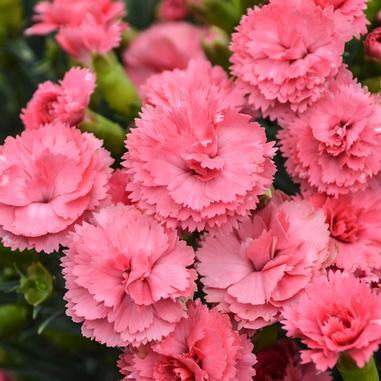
(112, 134)
(115, 86)
(350, 372)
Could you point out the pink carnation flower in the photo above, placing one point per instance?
(265, 263)
(118, 184)
(53, 15)
(172, 10)
(124, 275)
(194, 161)
(350, 16)
(65, 103)
(203, 347)
(284, 53)
(335, 146)
(90, 37)
(281, 362)
(355, 228)
(336, 314)
(373, 44)
(49, 178)
(164, 46)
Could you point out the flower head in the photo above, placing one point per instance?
(202, 347)
(373, 44)
(265, 263)
(281, 362)
(284, 53)
(56, 14)
(194, 161)
(65, 103)
(336, 314)
(165, 46)
(125, 274)
(50, 178)
(173, 10)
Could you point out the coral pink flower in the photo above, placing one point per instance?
(118, 184)
(355, 228)
(124, 275)
(173, 10)
(336, 314)
(194, 161)
(373, 44)
(164, 46)
(351, 19)
(264, 264)
(281, 362)
(203, 347)
(90, 37)
(49, 178)
(65, 103)
(335, 146)
(53, 15)
(284, 53)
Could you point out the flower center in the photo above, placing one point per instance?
(344, 227)
(204, 167)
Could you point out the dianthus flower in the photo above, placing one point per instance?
(336, 314)
(125, 275)
(334, 147)
(203, 346)
(373, 44)
(355, 228)
(265, 263)
(53, 15)
(281, 362)
(284, 53)
(172, 10)
(50, 178)
(165, 46)
(194, 161)
(65, 102)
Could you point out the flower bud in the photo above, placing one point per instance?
(172, 10)
(373, 44)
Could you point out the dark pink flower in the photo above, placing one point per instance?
(373, 44)
(172, 10)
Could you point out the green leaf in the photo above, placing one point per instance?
(37, 285)
(13, 318)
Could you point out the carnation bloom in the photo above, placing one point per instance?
(124, 275)
(53, 15)
(281, 362)
(49, 178)
(195, 162)
(373, 44)
(65, 103)
(172, 10)
(284, 53)
(265, 263)
(335, 146)
(90, 37)
(350, 16)
(164, 46)
(355, 228)
(203, 347)
(336, 314)
(118, 184)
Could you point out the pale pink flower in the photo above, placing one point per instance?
(172, 10)
(336, 314)
(355, 228)
(165, 46)
(53, 15)
(265, 263)
(281, 362)
(194, 161)
(334, 147)
(49, 178)
(90, 37)
(284, 53)
(203, 346)
(65, 102)
(350, 16)
(373, 44)
(118, 184)
(124, 275)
